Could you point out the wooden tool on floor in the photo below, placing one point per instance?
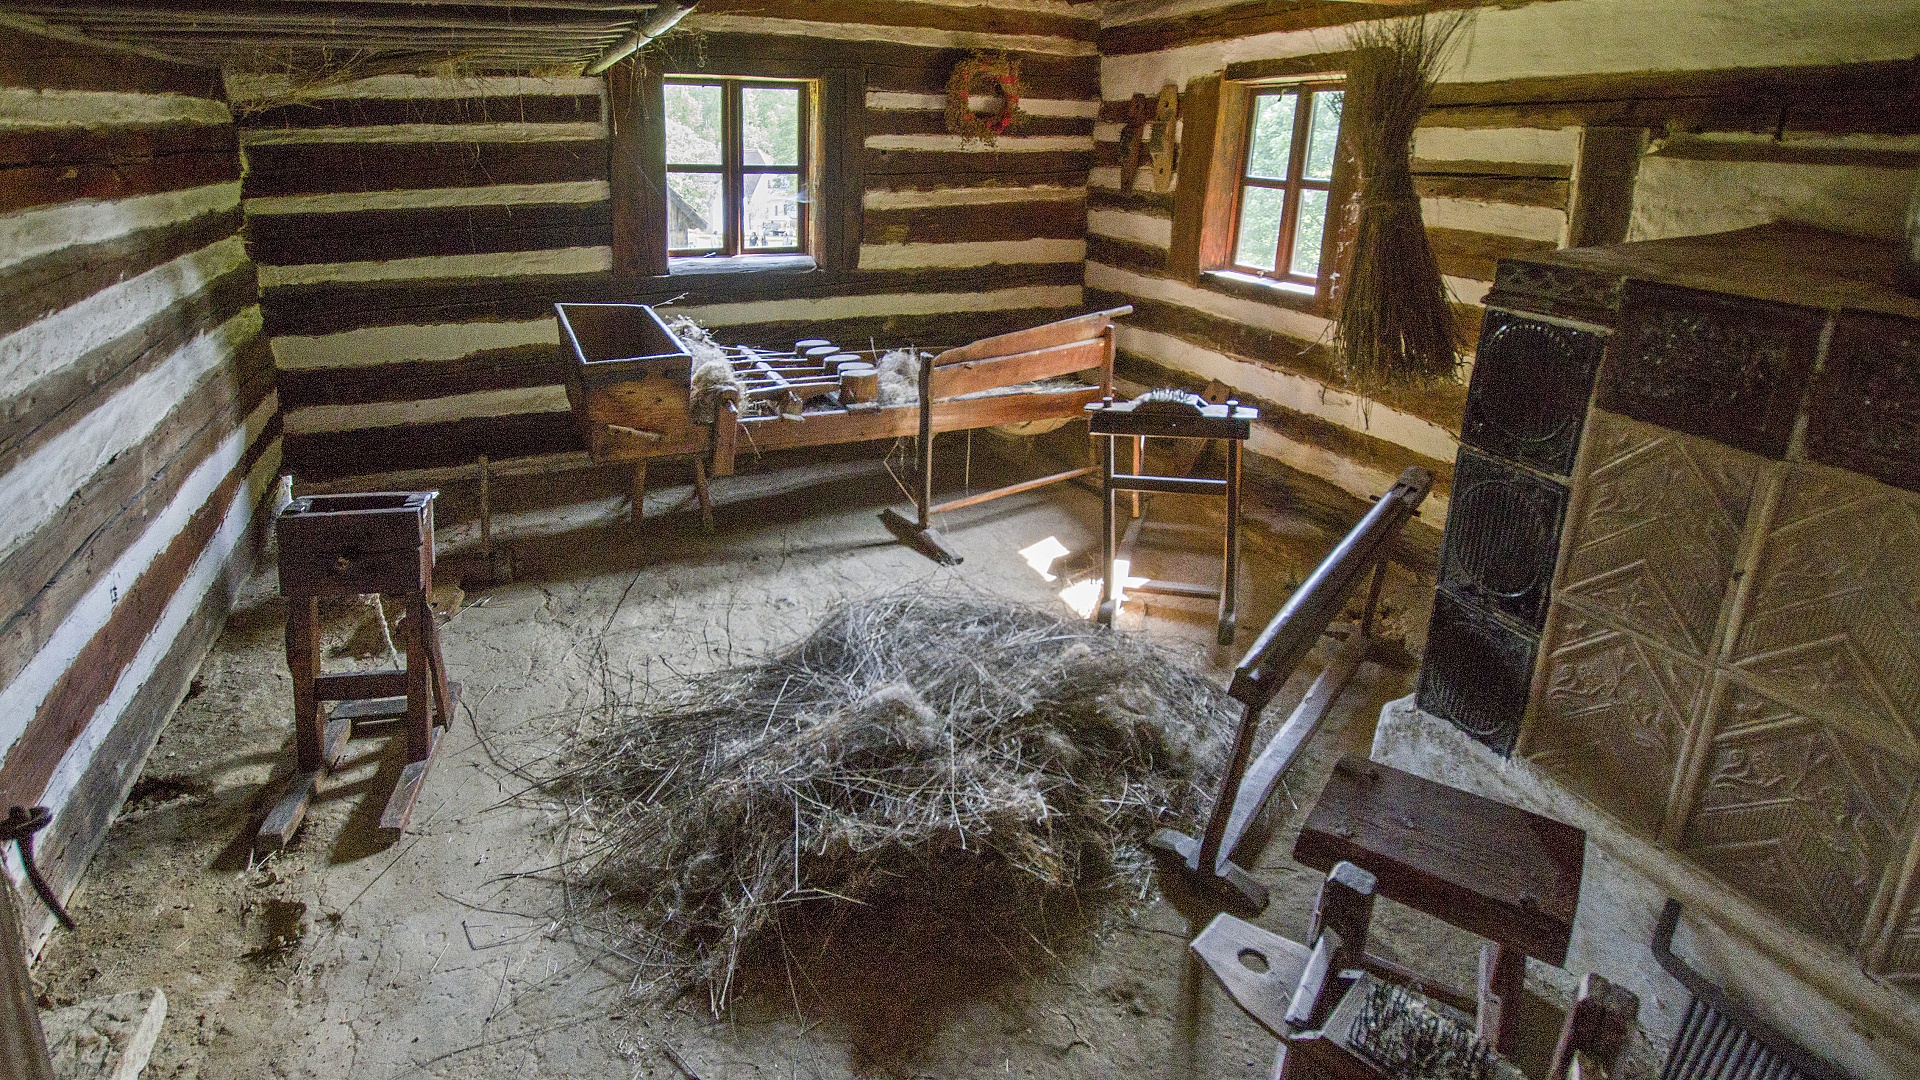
(350, 545)
(1171, 414)
(1209, 860)
(1309, 998)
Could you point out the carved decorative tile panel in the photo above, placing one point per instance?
(1803, 816)
(1657, 529)
(1833, 623)
(1864, 413)
(1612, 714)
(1503, 532)
(1476, 671)
(1531, 384)
(1725, 368)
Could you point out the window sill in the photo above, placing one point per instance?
(700, 265)
(1285, 294)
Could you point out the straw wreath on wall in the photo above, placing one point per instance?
(1394, 323)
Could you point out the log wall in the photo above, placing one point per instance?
(1557, 122)
(140, 426)
(413, 232)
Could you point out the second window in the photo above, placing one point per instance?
(1280, 220)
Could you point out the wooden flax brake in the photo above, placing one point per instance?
(1058, 348)
(630, 385)
(1208, 861)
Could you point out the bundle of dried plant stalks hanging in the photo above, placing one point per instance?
(912, 750)
(1395, 324)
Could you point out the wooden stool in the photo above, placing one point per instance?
(1503, 873)
(1172, 414)
(350, 545)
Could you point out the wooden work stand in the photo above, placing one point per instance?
(351, 545)
(1171, 414)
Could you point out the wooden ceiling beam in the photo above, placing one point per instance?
(100, 16)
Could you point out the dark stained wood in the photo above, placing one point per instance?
(1880, 97)
(934, 122)
(844, 101)
(59, 279)
(1049, 218)
(491, 369)
(1248, 19)
(891, 66)
(331, 307)
(977, 19)
(363, 112)
(296, 239)
(357, 685)
(145, 345)
(637, 153)
(1542, 170)
(303, 664)
(91, 677)
(36, 62)
(1474, 255)
(331, 168)
(1127, 255)
(1290, 67)
(327, 455)
(1506, 874)
(955, 164)
(1517, 191)
(1140, 200)
(1873, 157)
(41, 166)
(1603, 202)
(40, 580)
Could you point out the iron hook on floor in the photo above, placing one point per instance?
(19, 827)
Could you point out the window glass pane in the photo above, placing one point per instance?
(1308, 233)
(696, 212)
(1260, 213)
(1323, 134)
(693, 124)
(1272, 142)
(773, 211)
(770, 118)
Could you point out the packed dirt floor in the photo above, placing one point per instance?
(439, 954)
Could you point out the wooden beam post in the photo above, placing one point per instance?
(637, 170)
(1603, 184)
(23, 1046)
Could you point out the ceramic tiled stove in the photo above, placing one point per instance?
(1681, 573)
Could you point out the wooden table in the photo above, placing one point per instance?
(1501, 872)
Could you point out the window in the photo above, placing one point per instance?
(1285, 182)
(738, 166)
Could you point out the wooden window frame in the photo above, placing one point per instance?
(637, 161)
(1295, 182)
(1216, 116)
(733, 169)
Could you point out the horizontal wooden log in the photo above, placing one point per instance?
(361, 112)
(57, 400)
(221, 402)
(1052, 218)
(1141, 200)
(298, 239)
(1247, 19)
(936, 182)
(1880, 97)
(61, 278)
(37, 62)
(1126, 255)
(331, 168)
(890, 66)
(888, 423)
(1516, 191)
(66, 711)
(1538, 170)
(328, 455)
(978, 19)
(1474, 254)
(961, 167)
(49, 165)
(334, 307)
(934, 122)
(494, 369)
